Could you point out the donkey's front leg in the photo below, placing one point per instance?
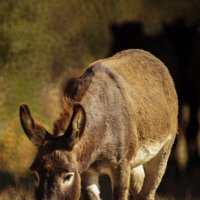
(90, 186)
(121, 181)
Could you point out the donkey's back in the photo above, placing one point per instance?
(139, 83)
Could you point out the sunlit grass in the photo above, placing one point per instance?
(16, 151)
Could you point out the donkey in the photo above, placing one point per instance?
(119, 119)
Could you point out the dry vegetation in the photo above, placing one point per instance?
(11, 193)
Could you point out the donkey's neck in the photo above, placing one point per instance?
(89, 147)
(87, 150)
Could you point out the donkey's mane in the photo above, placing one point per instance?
(74, 90)
(77, 87)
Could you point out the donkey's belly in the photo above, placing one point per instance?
(147, 151)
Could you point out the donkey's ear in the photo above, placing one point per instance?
(76, 127)
(36, 133)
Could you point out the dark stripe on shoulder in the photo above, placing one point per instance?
(77, 87)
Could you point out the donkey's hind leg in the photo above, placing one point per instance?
(154, 171)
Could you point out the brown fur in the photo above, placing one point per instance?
(61, 124)
(128, 107)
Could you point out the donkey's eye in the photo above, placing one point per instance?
(67, 178)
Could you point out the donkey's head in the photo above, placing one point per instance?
(55, 168)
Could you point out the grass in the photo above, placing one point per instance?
(16, 153)
(19, 193)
